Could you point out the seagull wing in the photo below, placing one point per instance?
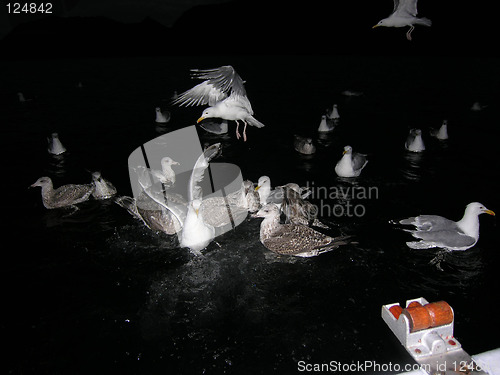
(358, 161)
(405, 8)
(217, 85)
(194, 191)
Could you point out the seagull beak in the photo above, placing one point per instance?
(257, 188)
(377, 25)
(345, 152)
(489, 212)
(196, 212)
(200, 119)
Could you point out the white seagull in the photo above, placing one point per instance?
(404, 14)
(437, 231)
(223, 90)
(351, 164)
(414, 141)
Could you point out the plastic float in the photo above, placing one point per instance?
(426, 331)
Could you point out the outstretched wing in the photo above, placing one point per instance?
(194, 190)
(217, 85)
(405, 8)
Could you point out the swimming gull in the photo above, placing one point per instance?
(404, 14)
(304, 145)
(55, 146)
(414, 141)
(103, 189)
(437, 231)
(351, 164)
(334, 113)
(162, 117)
(292, 239)
(223, 90)
(297, 210)
(166, 176)
(476, 107)
(442, 132)
(326, 125)
(252, 197)
(63, 196)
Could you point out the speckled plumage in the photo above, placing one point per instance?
(63, 196)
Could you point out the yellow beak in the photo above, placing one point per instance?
(200, 119)
(489, 212)
(257, 188)
(375, 26)
(196, 212)
(345, 152)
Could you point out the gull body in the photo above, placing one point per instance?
(103, 189)
(223, 90)
(63, 196)
(404, 14)
(437, 231)
(325, 125)
(196, 234)
(414, 141)
(162, 117)
(351, 164)
(167, 174)
(442, 132)
(304, 145)
(334, 113)
(55, 147)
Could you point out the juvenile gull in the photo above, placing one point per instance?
(437, 231)
(223, 90)
(304, 145)
(351, 164)
(297, 209)
(103, 189)
(292, 239)
(162, 117)
(404, 14)
(55, 146)
(442, 132)
(63, 196)
(414, 141)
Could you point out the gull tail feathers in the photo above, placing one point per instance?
(424, 21)
(254, 122)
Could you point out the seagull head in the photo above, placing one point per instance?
(380, 23)
(269, 210)
(347, 150)
(196, 203)
(207, 113)
(42, 181)
(168, 161)
(478, 209)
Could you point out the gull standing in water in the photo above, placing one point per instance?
(223, 90)
(103, 189)
(404, 14)
(442, 132)
(414, 141)
(55, 146)
(437, 231)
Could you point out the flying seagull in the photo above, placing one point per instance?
(404, 14)
(223, 90)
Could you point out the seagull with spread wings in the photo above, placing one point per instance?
(223, 90)
(404, 14)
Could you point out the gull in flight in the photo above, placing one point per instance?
(404, 14)
(223, 90)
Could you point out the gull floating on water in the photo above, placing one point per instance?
(404, 14)
(437, 231)
(297, 209)
(326, 125)
(304, 145)
(55, 146)
(442, 132)
(476, 107)
(334, 113)
(414, 141)
(103, 189)
(292, 239)
(162, 117)
(351, 164)
(223, 90)
(63, 196)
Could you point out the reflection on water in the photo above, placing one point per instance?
(412, 168)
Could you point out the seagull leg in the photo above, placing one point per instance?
(245, 131)
(238, 135)
(408, 34)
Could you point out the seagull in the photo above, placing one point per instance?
(414, 141)
(55, 146)
(351, 164)
(404, 14)
(162, 117)
(326, 125)
(334, 113)
(292, 239)
(297, 209)
(437, 231)
(304, 145)
(103, 189)
(63, 196)
(223, 90)
(442, 132)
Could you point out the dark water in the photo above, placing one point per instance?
(98, 292)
